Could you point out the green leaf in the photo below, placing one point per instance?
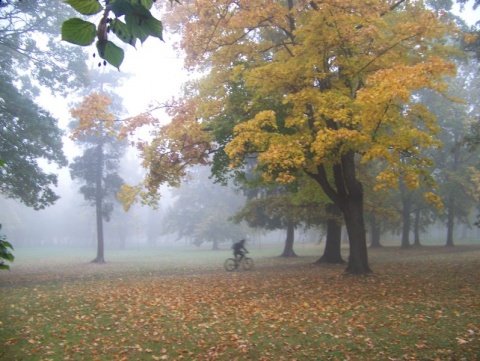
(120, 7)
(135, 28)
(142, 24)
(6, 244)
(7, 256)
(78, 31)
(110, 52)
(86, 7)
(121, 30)
(153, 27)
(2, 163)
(4, 266)
(146, 3)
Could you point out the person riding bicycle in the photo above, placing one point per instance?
(239, 250)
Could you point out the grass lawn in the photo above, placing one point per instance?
(154, 304)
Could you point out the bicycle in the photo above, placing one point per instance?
(231, 264)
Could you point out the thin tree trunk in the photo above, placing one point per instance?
(416, 228)
(450, 221)
(288, 250)
(406, 210)
(122, 239)
(375, 233)
(450, 207)
(405, 229)
(99, 207)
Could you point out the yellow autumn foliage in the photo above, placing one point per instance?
(93, 116)
(348, 79)
(343, 72)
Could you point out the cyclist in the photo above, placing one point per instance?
(239, 250)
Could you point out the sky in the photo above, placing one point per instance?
(158, 74)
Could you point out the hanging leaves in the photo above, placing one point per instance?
(174, 148)
(138, 23)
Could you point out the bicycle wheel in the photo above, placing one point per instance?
(229, 264)
(247, 263)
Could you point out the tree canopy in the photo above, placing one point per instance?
(30, 58)
(343, 72)
(27, 134)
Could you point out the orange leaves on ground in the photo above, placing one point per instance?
(421, 307)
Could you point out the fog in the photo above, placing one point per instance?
(155, 75)
(71, 222)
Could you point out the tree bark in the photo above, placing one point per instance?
(406, 210)
(416, 228)
(347, 195)
(450, 220)
(288, 250)
(99, 207)
(375, 233)
(332, 252)
(358, 259)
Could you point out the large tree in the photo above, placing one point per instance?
(346, 71)
(30, 58)
(97, 168)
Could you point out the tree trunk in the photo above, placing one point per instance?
(347, 195)
(288, 250)
(332, 252)
(99, 206)
(358, 259)
(375, 233)
(406, 210)
(450, 220)
(351, 204)
(416, 228)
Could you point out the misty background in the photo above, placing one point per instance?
(197, 214)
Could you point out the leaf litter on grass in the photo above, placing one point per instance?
(425, 309)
